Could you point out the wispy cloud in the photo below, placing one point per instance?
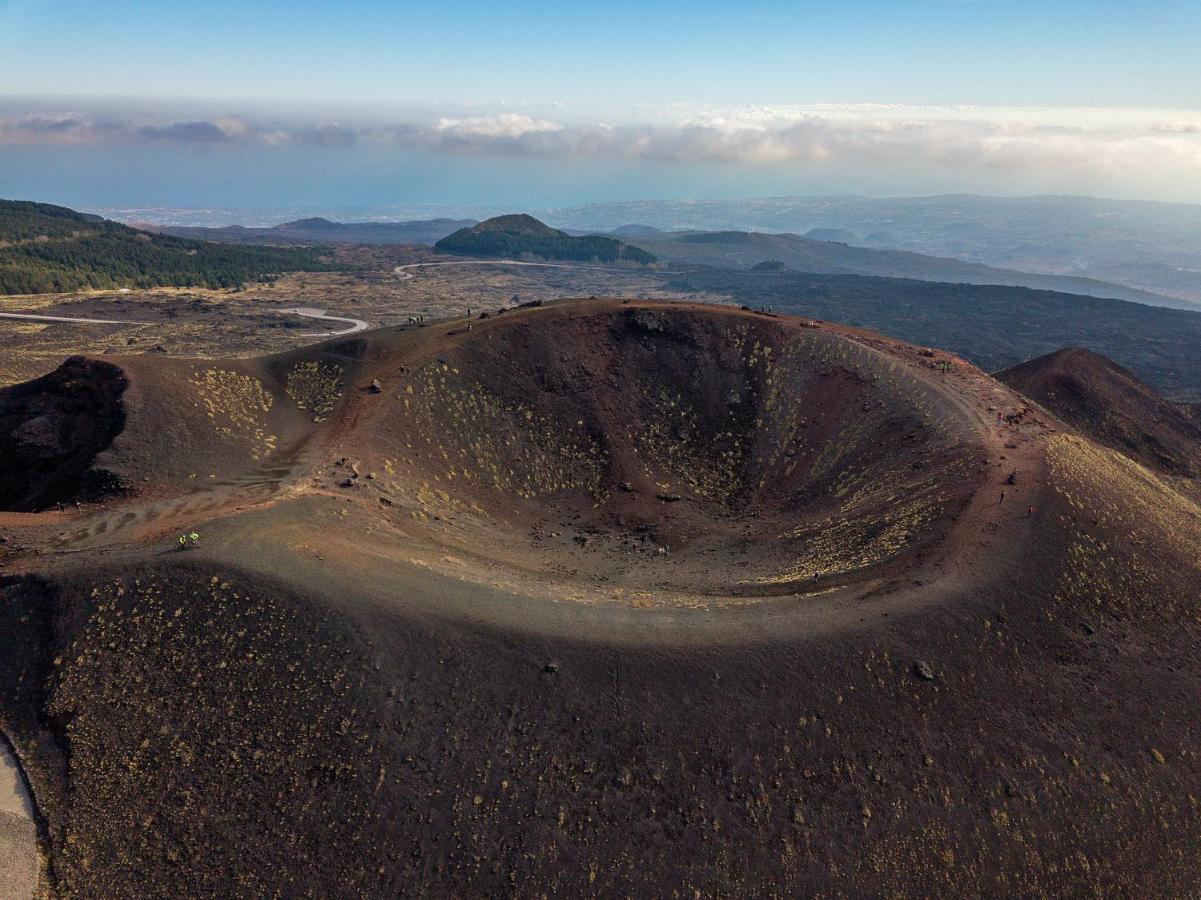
(1109, 141)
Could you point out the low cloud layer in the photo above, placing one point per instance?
(1109, 142)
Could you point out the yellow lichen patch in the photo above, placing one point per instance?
(236, 404)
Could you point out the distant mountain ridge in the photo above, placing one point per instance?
(522, 235)
(745, 249)
(1145, 245)
(821, 251)
(318, 230)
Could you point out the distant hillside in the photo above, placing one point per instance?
(1105, 401)
(522, 235)
(47, 249)
(1147, 245)
(314, 223)
(838, 235)
(743, 249)
(992, 326)
(635, 230)
(317, 231)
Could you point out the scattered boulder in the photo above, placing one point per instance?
(923, 670)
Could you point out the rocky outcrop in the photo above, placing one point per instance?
(52, 429)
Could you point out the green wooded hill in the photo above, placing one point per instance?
(47, 249)
(520, 235)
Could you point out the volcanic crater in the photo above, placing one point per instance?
(694, 451)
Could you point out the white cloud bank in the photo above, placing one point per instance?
(1112, 143)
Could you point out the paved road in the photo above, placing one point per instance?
(38, 317)
(313, 313)
(405, 274)
(308, 312)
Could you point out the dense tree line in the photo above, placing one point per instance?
(21, 220)
(46, 249)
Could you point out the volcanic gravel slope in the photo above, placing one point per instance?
(606, 598)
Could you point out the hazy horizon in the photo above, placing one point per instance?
(94, 154)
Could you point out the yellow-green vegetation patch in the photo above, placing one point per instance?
(315, 386)
(502, 444)
(676, 444)
(180, 694)
(1111, 498)
(237, 405)
(882, 517)
(709, 458)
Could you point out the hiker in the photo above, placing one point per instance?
(1002, 500)
(1013, 477)
(1029, 511)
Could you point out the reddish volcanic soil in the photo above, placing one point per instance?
(601, 597)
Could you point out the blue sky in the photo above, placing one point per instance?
(996, 52)
(467, 102)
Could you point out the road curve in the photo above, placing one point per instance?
(310, 312)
